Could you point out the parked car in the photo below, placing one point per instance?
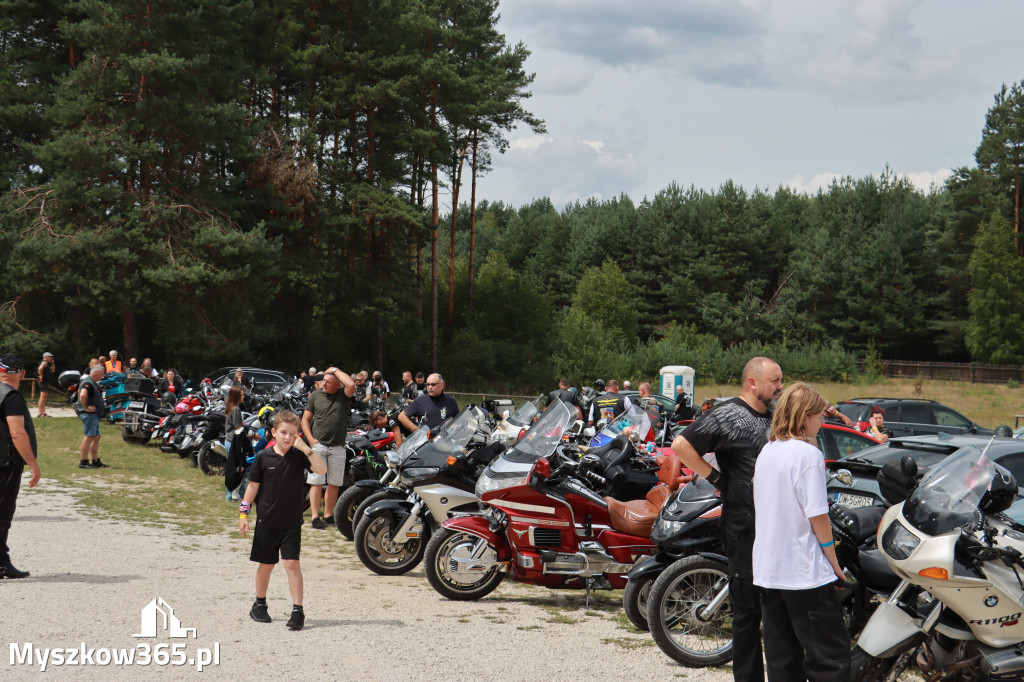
(911, 416)
(834, 440)
(926, 451)
(263, 379)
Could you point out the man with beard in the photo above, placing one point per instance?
(735, 431)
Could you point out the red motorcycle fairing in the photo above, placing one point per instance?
(480, 527)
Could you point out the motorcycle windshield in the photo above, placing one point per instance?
(633, 417)
(294, 387)
(544, 435)
(525, 414)
(455, 436)
(412, 443)
(950, 492)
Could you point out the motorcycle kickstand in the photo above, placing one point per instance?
(590, 582)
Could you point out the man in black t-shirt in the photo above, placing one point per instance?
(735, 431)
(566, 396)
(409, 390)
(433, 407)
(17, 450)
(608, 405)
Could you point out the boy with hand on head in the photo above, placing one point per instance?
(278, 476)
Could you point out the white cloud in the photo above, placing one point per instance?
(923, 181)
(528, 145)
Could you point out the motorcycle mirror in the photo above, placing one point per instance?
(589, 432)
(542, 468)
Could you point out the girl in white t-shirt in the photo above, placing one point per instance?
(795, 562)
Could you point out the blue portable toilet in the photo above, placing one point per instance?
(673, 376)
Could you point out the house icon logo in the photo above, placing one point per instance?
(158, 615)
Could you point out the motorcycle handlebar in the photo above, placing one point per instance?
(596, 478)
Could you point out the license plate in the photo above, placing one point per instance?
(136, 405)
(851, 500)
(189, 428)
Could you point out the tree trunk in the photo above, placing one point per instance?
(456, 185)
(472, 216)
(131, 335)
(433, 265)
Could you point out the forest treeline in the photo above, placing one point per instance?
(210, 182)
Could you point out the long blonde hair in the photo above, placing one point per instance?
(797, 402)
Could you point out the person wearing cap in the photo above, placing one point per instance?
(91, 398)
(113, 364)
(46, 372)
(17, 450)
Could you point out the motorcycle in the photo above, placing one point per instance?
(352, 503)
(512, 427)
(143, 412)
(957, 611)
(391, 537)
(546, 524)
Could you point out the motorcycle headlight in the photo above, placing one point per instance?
(664, 530)
(490, 481)
(410, 476)
(898, 542)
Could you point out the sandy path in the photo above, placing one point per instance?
(92, 577)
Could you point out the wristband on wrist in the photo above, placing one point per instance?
(244, 507)
(827, 544)
(243, 516)
(713, 476)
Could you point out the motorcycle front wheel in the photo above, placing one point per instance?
(379, 552)
(442, 571)
(634, 601)
(866, 668)
(360, 511)
(678, 617)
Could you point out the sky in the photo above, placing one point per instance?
(636, 95)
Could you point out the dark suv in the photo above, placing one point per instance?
(911, 416)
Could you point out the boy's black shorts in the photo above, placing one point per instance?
(267, 542)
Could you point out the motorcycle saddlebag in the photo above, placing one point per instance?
(139, 385)
(897, 480)
(69, 378)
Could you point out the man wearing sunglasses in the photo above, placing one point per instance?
(430, 409)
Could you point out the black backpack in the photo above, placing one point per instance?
(234, 468)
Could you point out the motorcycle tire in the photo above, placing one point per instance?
(634, 601)
(360, 512)
(866, 668)
(674, 613)
(379, 553)
(345, 509)
(447, 544)
(212, 458)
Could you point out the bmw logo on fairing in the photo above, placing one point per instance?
(991, 600)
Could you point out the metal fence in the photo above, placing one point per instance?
(974, 372)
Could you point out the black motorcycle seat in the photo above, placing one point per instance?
(359, 442)
(877, 573)
(859, 522)
(610, 452)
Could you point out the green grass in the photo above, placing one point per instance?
(142, 484)
(629, 642)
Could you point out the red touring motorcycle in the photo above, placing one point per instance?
(546, 524)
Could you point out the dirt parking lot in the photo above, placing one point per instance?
(92, 578)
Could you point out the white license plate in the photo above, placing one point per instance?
(851, 500)
(136, 405)
(189, 428)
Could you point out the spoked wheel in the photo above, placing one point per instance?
(457, 579)
(635, 598)
(689, 612)
(212, 458)
(379, 552)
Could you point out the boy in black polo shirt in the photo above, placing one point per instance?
(279, 473)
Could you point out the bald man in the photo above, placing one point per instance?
(736, 430)
(432, 408)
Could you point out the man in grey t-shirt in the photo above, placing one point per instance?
(325, 425)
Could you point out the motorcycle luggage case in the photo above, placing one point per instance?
(69, 378)
(897, 480)
(139, 385)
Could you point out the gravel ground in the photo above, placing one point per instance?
(91, 578)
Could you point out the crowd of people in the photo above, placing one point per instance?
(765, 458)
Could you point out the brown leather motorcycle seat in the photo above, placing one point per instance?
(637, 517)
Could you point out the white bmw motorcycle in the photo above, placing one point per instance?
(958, 613)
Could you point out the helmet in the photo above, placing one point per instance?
(599, 384)
(1001, 493)
(167, 397)
(1004, 431)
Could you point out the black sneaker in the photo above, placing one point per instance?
(9, 572)
(259, 613)
(297, 620)
(319, 523)
(97, 464)
(85, 464)
(329, 521)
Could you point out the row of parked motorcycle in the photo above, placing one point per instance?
(935, 575)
